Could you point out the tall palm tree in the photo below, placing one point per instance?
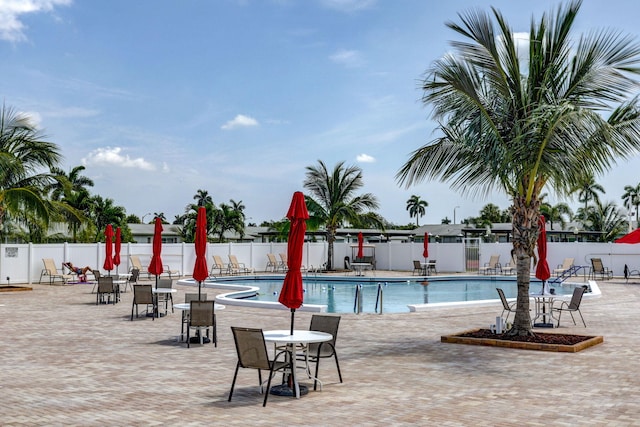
(631, 197)
(416, 207)
(518, 125)
(23, 154)
(333, 200)
(587, 189)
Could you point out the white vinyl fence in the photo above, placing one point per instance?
(22, 263)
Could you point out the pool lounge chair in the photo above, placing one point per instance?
(236, 267)
(493, 266)
(272, 263)
(565, 266)
(282, 265)
(51, 270)
(136, 263)
(218, 265)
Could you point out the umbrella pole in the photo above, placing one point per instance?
(199, 293)
(293, 314)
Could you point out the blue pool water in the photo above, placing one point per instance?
(339, 294)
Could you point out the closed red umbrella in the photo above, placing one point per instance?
(108, 247)
(292, 294)
(116, 249)
(155, 267)
(425, 245)
(360, 243)
(200, 270)
(542, 269)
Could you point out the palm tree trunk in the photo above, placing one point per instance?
(525, 233)
(331, 237)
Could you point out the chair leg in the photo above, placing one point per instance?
(573, 318)
(335, 355)
(559, 316)
(583, 322)
(233, 383)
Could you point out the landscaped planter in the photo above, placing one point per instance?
(543, 343)
(12, 288)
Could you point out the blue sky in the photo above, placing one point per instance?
(160, 98)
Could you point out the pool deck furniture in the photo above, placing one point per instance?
(299, 337)
(360, 267)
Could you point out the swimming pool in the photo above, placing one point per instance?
(338, 295)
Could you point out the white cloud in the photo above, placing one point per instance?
(113, 157)
(348, 58)
(35, 119)
(240, 121)
(348, 5)
(11, 27)
(365, 158)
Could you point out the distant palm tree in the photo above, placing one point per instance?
(161, 216)
(416, 207)
(203, 198)
(71, 197)
(555, 213)
(587, 189)
(605, 218)
(23, 154)
(333, 201)
(631, 197)
(103, 212)
(520, 125)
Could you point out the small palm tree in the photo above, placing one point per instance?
(333, 201)
(605, 218)
(416, 207)
(520, 126)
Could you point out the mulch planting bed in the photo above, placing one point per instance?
(539, 341)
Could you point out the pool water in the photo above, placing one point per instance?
(339, 296)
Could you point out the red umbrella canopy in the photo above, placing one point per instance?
(542, 269)
(633, 237)
(360, 243)
(108, 247)
(200, 271)
(425, 252)
(116, 247)
(291, 294)
(155, 267)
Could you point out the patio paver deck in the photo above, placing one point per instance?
(67, 361)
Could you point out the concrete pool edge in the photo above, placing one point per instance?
(238, 291)
(593, 285)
